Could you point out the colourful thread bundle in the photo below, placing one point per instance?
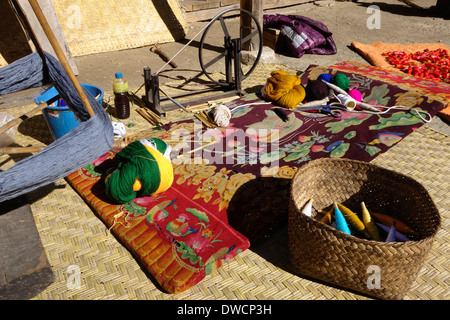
(341, 223)
(307, 209)
(341, 80)
(369, 223)
(221, 115)
(347, 221)
(144, 168)
(347, 101)
(316, 90)
(355, 94)
(325, 77)
(284, 89)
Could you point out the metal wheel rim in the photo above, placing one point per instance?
(222, 55)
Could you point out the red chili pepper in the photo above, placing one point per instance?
(435, 64)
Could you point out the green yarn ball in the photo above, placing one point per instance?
(134, 161)
(341, 80)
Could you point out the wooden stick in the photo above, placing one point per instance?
(146, 116)
(196, 149)
(152, 115)
(185, 141)
(164, 56)
(121, 143)
(25, 116)
(15, 150)
(205, 119)
(60, 54)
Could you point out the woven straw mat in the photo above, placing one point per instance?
(13, 43)
(92, 26)
(72, 234)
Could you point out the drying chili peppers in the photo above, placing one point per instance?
(429, 64)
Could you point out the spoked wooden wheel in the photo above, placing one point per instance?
(217, 47)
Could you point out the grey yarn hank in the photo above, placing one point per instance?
(90, 139)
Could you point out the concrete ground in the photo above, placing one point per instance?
(347, 20)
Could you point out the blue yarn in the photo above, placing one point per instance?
(16, 77)
(31, 72)
(85, 143)
(324, 76)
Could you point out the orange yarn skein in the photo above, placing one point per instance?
(284, 89)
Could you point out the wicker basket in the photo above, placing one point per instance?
(321, 252)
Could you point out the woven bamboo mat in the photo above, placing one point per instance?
(13, 43)
(424, 156)
(92, 26)
(72, 235)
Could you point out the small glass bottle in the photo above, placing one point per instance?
(121, 101)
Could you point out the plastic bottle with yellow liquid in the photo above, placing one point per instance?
(121, 101)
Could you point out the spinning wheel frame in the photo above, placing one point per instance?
(231, 53)
(231, 47)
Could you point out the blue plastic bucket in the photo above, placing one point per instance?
(60, 119)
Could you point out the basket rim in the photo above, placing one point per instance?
(342, 235)
(368, 164)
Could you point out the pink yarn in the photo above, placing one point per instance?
(355, 94)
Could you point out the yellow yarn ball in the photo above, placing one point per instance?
(284, 89)
(143, 168)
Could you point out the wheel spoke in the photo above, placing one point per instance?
(227, 36)
(211, 62)
(224, 27)
(249, 36)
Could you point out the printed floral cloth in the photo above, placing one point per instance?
(231, 185)
(273, 149)
(177, 238)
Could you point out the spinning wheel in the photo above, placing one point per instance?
(220, 49)
(229, 54)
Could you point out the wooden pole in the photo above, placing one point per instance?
(26, 115)
(256, 8)
(33, 29)
(60, 54)
(16, 150)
